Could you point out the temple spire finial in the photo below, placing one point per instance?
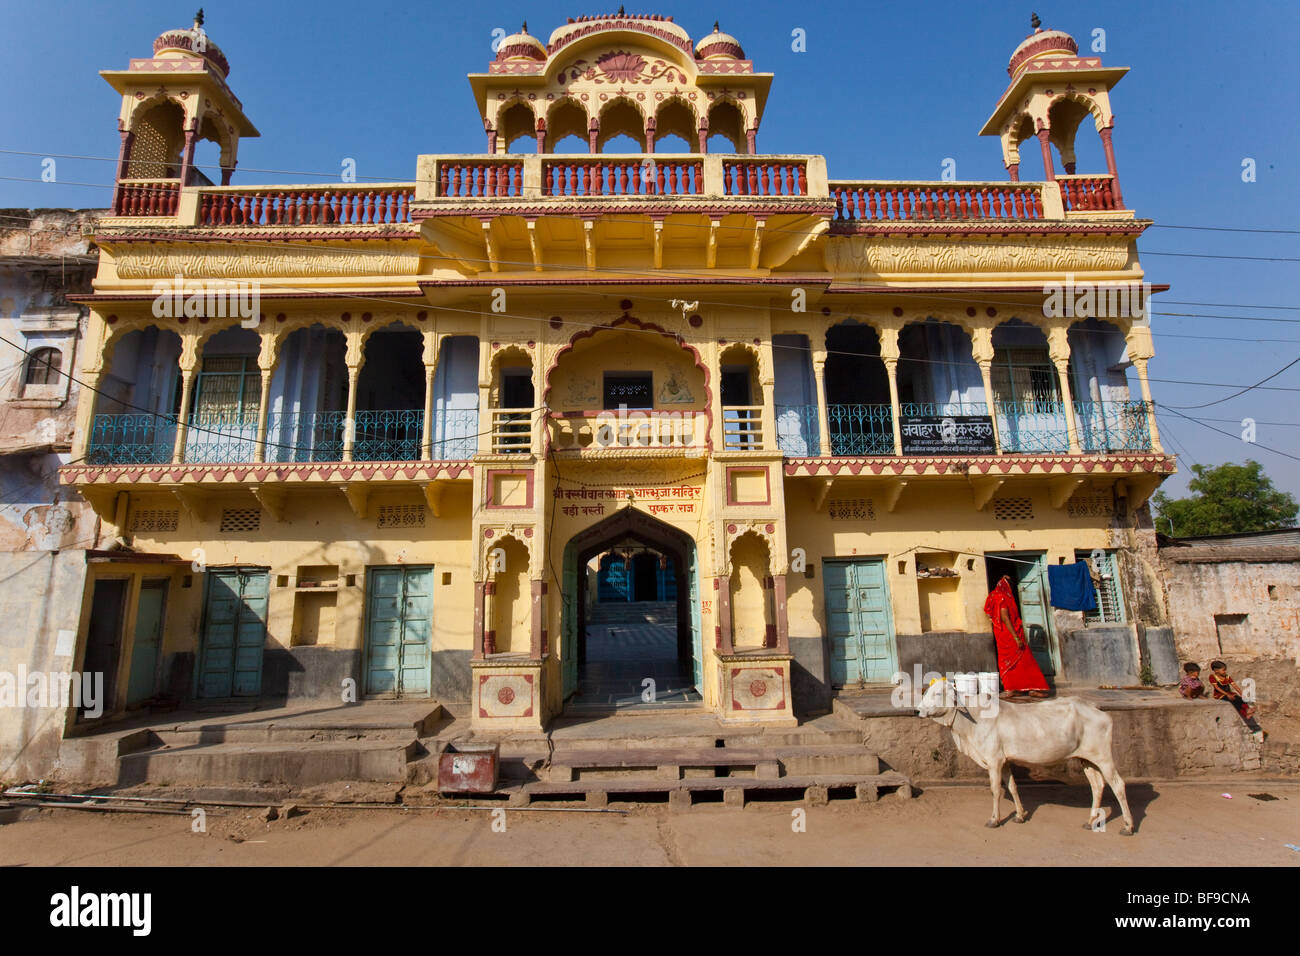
(1034, 21)
(198, 18)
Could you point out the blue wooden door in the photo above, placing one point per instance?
(697, 637)
(147, 641)
(399, 630)
(858, 622)
(1034, 613)
(234, 632)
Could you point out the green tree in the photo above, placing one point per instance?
(1229, 499)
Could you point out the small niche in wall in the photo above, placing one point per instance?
(318, 576)
(313, 617)
(446, 578)
(938, 585)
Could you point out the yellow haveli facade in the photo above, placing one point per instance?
(558, 429)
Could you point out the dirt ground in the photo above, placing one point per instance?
(942, 825)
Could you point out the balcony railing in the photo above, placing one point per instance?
(1032, 427)
(512, 431)
(759, 176)
(1087, 193)
(332, 205)
(797, 432)
(147, 197)
(742, 427)
(861, 429)
(908, 202)
(135, 439)
(1113, 426)
(384, 435)
(609, 177)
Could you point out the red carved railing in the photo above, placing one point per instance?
(600, 177)
(148, 198)
(902, 202)
(758, 178)
(1086, 193)
(307, 206)
(480, 179)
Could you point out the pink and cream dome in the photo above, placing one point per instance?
(1041, 43)
(521, 46)
(719, 46)
(192, 42)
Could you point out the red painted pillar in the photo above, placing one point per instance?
(187, 157)
(1069, 168)
(1110, 166)
(541, 135)
(769, 629)
(123, 163)
(1044, 141)
(650, 126)
(593, 133)
(1014, 170)
(751, 141)
(704, 136)
(722, 631)
(491, 136)
(227, 172)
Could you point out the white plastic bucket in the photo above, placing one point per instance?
(967, 684)
(988, 683)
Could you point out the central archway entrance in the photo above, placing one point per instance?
(631, 612)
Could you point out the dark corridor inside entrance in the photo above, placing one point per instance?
(631, 652)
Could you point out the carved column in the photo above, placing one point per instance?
(1109, 149)
(537, 620)
(704, 135)
(593, 134)
(751, 140)
(1044, 141)
(540, 132)
(1014, 170)
(722, 587)
(266, 361)
(355, 359)
(1141, 366)
(1059, 349)
(227, 171)
(189, 365)
(782, 614)
(480, 612)
(823, 420)
(431, 345)
(650, 134)
(489, 606)
(982, 352)
(889, 354)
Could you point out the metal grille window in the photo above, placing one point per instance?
(155, 519)
(227, 390)
(401, 516)
(43, 367)
(851, 509)
(1026, 377)
(1105, 579)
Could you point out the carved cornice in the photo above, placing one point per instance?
(1009, 465)
(236, 476)
(897, 255)
(206, 260)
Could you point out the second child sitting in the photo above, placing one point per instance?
(1191, 685)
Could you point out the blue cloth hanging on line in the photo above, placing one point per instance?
(1071, 586)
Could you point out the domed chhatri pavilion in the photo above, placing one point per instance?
(550, 424)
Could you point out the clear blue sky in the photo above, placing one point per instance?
(381, 82)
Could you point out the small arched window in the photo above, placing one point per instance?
(43, 367)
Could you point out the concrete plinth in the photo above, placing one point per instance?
(756, 689)
(507, 694)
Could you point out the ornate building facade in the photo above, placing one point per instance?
(408, 438)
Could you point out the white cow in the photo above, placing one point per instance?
(1034, 734)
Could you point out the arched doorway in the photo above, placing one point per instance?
(606, 658)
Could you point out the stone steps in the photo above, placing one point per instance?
(272, 763)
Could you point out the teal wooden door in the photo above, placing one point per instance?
(858, 622)
(234, 632)
(1034, 612)
(697, 636)
(399, 630)
(147, 642)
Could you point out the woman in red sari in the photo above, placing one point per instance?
(1020, 672)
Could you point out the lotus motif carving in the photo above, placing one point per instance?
(621, 66)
